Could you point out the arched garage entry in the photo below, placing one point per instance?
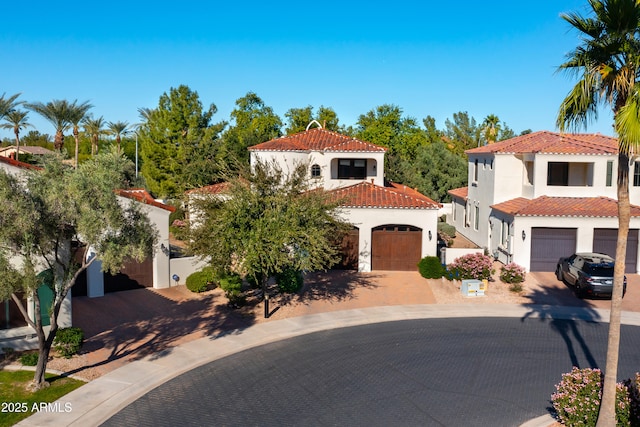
(396, 247)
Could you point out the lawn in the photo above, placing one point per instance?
(18, 403)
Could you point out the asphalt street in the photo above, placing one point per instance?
(427, 372)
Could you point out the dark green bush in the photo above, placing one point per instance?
(289, 280)
(68, 341)
(201, 280)
(430, 267)
(231, 284)
(447, 229)
(29, 359)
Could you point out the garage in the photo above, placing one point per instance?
(548, 245)
(134, 275)
(605, 239)
(396, 247)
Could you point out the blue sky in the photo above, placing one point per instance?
(429, 58)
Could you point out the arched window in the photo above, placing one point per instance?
(315, 171)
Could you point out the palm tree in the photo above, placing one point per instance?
(94, 128)
(77, 112)
(8, 104)
(607, 63)
(490, 128)
(16, 120)
(118, 129)
(55, 112)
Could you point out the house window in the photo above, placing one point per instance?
(636, 174)
(476, 219)
(352, 169)
(610, 173)
(475, 170)
(505, 233)
(454, 207)
(315, 171)
(529, 171)
(558, 174)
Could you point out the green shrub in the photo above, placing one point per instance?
(633, 385)
(472, 266)
(512, 273)
(515, 287)
(231, 284)
(29, 359)
(289, 280)
(430, 267)
(447, 229)
(577, 399)
(201, 280)
(68, 341)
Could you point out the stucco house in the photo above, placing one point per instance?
(535, 198)
(394, 226)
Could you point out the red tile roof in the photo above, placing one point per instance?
(553, 143)
(461, 193)
(18, 164)
(142, 196)
(394, 196)
(318, 139)
(563, 206)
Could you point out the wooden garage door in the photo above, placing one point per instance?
(604, 241)
(349, 248)
(548, 245)
(396, 247)
(134, 275)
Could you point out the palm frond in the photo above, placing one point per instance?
(627, 124)
(580, 106)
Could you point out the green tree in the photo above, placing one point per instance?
(118, 129)
(299, 118)
(35, 138)
(56, 112)
(54, 207)
(463, 133)
(434, 171)
(179, 145)
(607, 62)
(491, 128)
(252, 122)
(17, 121)
(94, 128)
(8, 104)
(77, 113)
(269, 222)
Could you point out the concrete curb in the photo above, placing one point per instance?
(97, 401)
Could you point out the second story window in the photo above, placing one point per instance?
(610, 173)
(636, 174)
(352, 169)
(558, 173)
(315, 171)
(475, 170)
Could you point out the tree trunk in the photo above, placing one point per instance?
(58, 141)
(17, 132)
(607, 414)
(75, 136)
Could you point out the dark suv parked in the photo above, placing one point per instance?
(590, 274)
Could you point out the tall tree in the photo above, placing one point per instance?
(179, 145)
(56, 112)
(54, 207)
(491, 128)
(463, 133)
(118, 129)
(94, 128)
(252, 122)
(8, 104)
(299, 118)
(17, 121)
(77, 113)
(269, 222)
(607, 62)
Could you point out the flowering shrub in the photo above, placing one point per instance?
(633, 385)
(472, 266)
(512, 273)
(577, 398)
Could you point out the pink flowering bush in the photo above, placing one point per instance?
(577, 398)
(512, 273)
(472, 266)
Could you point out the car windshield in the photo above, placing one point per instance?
(599, 270)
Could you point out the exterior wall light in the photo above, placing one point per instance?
(524, 235)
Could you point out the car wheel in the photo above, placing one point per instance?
(559, 273)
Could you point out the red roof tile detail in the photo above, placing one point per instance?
(318, 139)
(553, 143)
(395, 196)
(563, 206)
(461, 193)
(142, 196)
(18, 164)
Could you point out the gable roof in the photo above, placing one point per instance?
(31, 149)
(461, 193)
(563, 206)
(553, 143)
(318, 139)
(141, 195)
(394, 196)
